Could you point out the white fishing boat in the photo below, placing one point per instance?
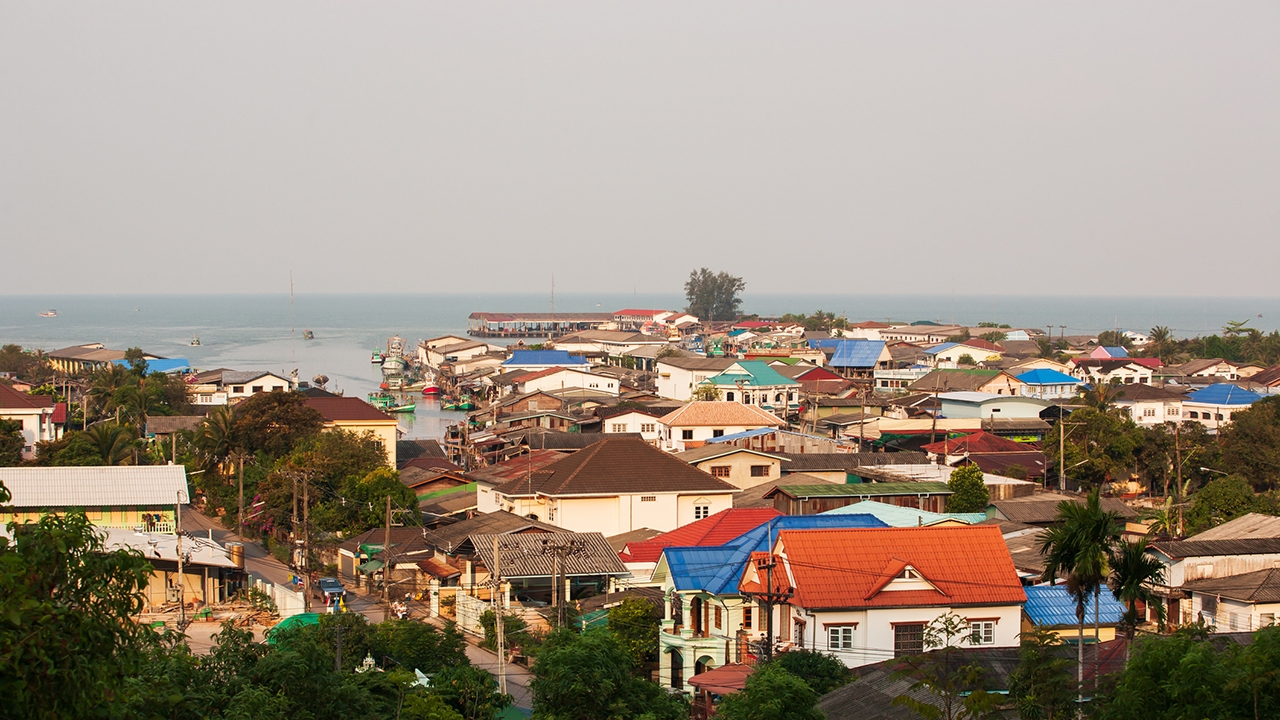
(195, 341)
(49, 313)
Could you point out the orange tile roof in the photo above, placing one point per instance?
(711, 531)
(719, 413)
(855, 568)
(978, 442)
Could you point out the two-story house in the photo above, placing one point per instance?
(679, 376)
(41, 418)
(754, 382)
(702, 420)
(865, 595)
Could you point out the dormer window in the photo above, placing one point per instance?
(908, 573)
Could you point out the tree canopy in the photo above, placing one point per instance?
(713, 296)
(968, 492)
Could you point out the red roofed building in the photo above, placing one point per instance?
(991, 453)
(41, 420)
(357, 416)
(866, 595)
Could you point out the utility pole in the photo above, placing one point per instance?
(240, 513)
(862, 420)
(337, 653)
(182, 600)
(386, 561)
(306, 544)
(499, 615)
(1177, 490)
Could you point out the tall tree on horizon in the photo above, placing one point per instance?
(713, 296)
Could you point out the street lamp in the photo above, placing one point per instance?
(1205, 469)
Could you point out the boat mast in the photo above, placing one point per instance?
(293, 322)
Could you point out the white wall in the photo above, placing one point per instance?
(677, 383)
(573, 378)
(646, 425)
(673, 437)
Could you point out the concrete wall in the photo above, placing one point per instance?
(740, 465)
(384, 431)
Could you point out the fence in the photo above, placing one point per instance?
(469, 609)
(288, 602)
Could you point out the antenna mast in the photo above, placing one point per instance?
(293, 323)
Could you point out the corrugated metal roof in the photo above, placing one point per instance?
(1044, 376)
(160, 546)
(96, 486)
(1224, 394)
(857, 353)
(532, 555)
(1050, 605)
(895, 516)
(864, 489)
(543, 357)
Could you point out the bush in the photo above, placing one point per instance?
(968, 493)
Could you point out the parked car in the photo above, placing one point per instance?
(330, 588)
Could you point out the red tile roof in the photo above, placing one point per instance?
(539, 374)
(968, 565)
(720, 413)
(59, 414)
(346, 409)
(981, 344)
(711, 531)
(10, 398)
(1153, 363)
(979, 442)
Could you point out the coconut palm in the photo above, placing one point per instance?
(215, 436)
(1078, 546)
(1164, 519)
(140, 400)
(1161, 341)
(105, 383)
(1101, 396)
(1133, 573)
(115, 443)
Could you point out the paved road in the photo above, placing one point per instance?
(257, 560)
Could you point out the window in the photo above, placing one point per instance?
(746, 617)
(1219, 417)
(648, 427)
(729, 396)
(1149, 412)
(908, 639)
(719, 619)
(840, 637)
(257, 388)
(648, 498)
(1209, 605)
(686, 434)
(717, 433)
(1173, 411)
(1194, 415)
(618, 427)
(759, 471)
(720, 471)
(701, 511)
(746, 399)
(237, 388)
(982, 632)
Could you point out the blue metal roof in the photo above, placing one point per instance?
(857, 353)
(1116, 352)
(742, 435)
(1047, 377)
(163, 365)
(1052, 605)
(1224, 394)
(940, 348)
(717, 570)
(543, 357)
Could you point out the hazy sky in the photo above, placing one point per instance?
(1020, 147)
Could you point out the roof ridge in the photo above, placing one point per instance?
(591, 451)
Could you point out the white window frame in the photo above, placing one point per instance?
(982, 632)
(840, 637)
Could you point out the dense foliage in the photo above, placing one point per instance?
(713, 296)
(589, 676)
(968, 492)
(772, 693)
(820, 671)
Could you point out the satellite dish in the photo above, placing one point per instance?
(320, 380)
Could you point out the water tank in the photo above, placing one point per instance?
(236, 551)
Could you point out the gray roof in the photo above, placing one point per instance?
(196, 550)
(699, 363)
(715, 450)
(167, 424)
(1250, 525)
(525, 556)
(96, 486)
(848, 462)
(240, 377)
(1261, 586)
(1179, 549)
(448, 537)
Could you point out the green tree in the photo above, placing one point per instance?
(1041, 686)
(104, 384)
(273, 422)
(1114, 338)
(771, 693)
(635, 626)
(822, 672)
(1180, 676)
(1078, 546)
(1133, 573)
(29, 365)
(707, 391)
(72, 449)
(1100, 445)
(1226, 498)
(968, 492)
(471, 691)
(966, 359)
(588, 676)
(68, 640)
(1251, 443)
(11, 443)
(957, 686)
(115, 443)
(713, 296)
(139, 401)
(360, 504)
(215, 437)
(994, 336)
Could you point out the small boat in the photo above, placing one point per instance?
(393, 364)
(308, 335)
(431, 389)
(406, 408)
(381, 400)
(49, 313)
(377, 357)
(195, 341)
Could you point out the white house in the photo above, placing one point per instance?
(1236, 603)
(609, 343)
(437, 355)
(865, 595)
(1048, 384)
(36, 413)
(1215, 405)
(1149, 405)
(988, 406)
(679, 376)
(241, 385)
(949, 355)
(1107, 371)
(1191, 562)
(612, 487)
(696, 423)
(561, 378)
(632, 422)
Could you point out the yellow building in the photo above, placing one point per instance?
(138, 497)
(1051, 607)
(357, 416)
(738, 466)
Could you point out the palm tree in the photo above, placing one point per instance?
(215, 436)
(140, 400)
(1078, 546)
(1164, 521)
(1101, 396)
(1161, 338)
(105, 383)
(114, 442)
(1133, 572)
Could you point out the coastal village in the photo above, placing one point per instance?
(751, 490)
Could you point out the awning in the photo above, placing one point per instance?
(438, 569)
(292, 621)
(370, 566)
(724, 680)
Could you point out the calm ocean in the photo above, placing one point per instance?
(252, 332)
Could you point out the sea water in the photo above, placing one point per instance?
(264, 332)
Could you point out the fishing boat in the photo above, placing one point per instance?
(431, 388)
(195, 341)
(376, 359)
(381, 400)
(308, 335)
(406, 408)
(49, 313)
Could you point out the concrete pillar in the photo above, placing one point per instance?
(434, 591)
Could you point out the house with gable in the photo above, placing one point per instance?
(1149, 405)
(1120, 371)
(950, 355)
(1196, 571)
(1108, 352)
(1048, 384)
(992, 381)
(563, 378)
(707, 622)
(641, 556)
(742, 467)
(865, 595)
(613, 486)
(855, 358)
(41, 418)
(357, 416)
(754, 382)
(703, 420)
(679, 376)
(1213, 406)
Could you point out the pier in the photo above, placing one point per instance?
(530, 325)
